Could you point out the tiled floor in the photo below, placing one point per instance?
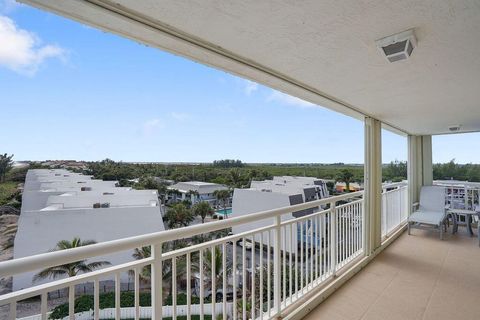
(416, 277)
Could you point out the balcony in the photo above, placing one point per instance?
(286, 263)
(326, 54)
(290, 266)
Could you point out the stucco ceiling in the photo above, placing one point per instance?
(321, 51)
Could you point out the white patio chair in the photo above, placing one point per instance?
(431, 210)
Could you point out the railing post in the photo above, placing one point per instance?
(333, 238)
(384, 213)
(276, 268)
(157, 282)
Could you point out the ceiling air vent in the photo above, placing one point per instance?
(398, 46)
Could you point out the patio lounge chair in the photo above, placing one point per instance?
(431, 210)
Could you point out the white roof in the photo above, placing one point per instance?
(198, 186)
(289, 185)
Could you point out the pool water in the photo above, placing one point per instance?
(228, 211)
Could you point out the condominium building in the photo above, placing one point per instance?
(61, 205)
(197, 191)
(281, 191)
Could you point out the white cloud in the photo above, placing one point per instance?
(250, 87)
(22, 51)
(180, 116)
(150, 126)
(284, 98)
(8, 6)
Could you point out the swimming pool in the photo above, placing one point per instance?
(227, 211)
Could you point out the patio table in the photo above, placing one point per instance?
(468, 214)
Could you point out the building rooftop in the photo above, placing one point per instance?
(198, 186)
(290, 185)
(104, 213)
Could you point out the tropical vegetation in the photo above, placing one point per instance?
(179, 215)
(6, 164)
(203, 210)
(70, 269)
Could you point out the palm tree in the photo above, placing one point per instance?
(175, 193)
(217, 258)
(140, 254)
(235, 178)
(146, 273)
(347, 177)
(70, 269)
(223, 196)
(193, 195)
(202, 209)
(178, 216)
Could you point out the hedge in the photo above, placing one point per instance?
(107, 300)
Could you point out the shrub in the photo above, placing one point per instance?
(181, 300)
(106, 300)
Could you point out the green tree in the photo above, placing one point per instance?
(223, 196)
(140, 254)
(146, 273)
(6, 164)
(202, 209)
(178, 216)
(70, 269)
(216, 259)
(346, 176)
(235, 178)
(193, 194)
(395, 171)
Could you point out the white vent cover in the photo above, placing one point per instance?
(398, 46)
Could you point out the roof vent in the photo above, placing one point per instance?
(454, 128)
(398, 46)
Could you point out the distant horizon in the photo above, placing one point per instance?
(245, 163)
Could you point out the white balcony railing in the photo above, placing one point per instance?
(394, 207)
(255, 274)
(460, 194)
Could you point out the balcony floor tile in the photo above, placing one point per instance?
(416, 277)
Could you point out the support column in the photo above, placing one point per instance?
(420, 172)
(427, 162)
(373, 185)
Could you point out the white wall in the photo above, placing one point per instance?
(247, 201)
(38, 232)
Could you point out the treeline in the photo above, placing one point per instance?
(241, 176)
(227, 163)
(451, 170)
(397, 171)
(232, 176)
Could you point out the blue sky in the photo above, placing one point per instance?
(69, 91)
